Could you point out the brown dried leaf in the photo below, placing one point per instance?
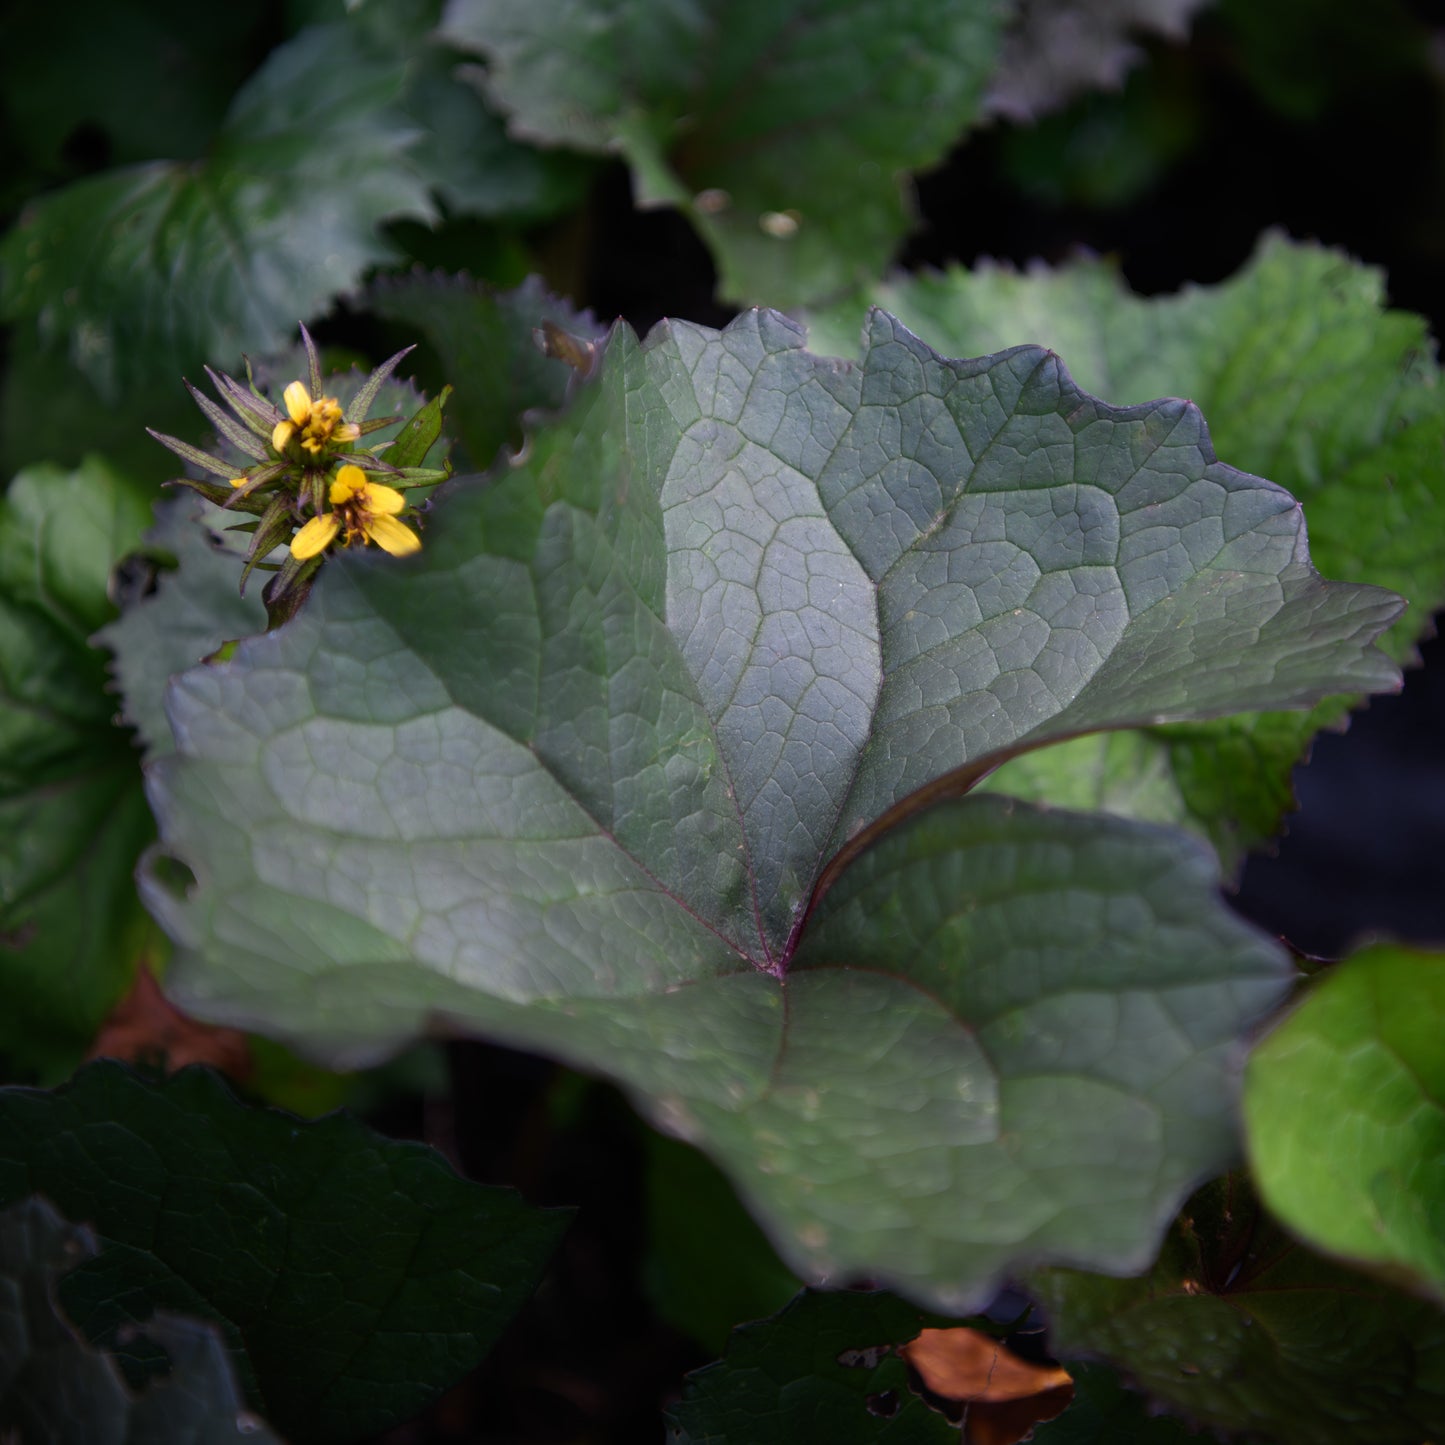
(146, 1028)
(1003, 1396)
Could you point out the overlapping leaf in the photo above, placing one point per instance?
(72, 817)
(161, 266)
(575, 775)
(1056, 49)
(1345, 1108)
(55, 1387)
(486, 342)
(355, 1277)
(1306, 380)
(783, 129)
(1239, 1327)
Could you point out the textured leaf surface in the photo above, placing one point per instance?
(572, 775)
(162, 266)
(1241, 1328)
(826, 1367)
(355, 1277)
(1345, 1109)
(72, 816)
(1306, 380)
(484, 341)
(55, 1387)
(783, 129)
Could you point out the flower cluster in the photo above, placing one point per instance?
(308, 472)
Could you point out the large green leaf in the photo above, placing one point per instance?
(355, 1277)
(1307, 380)
(162, 266)
(72, 816)
(575, 775)
(826, 1367)
(1345, 1108)
(1239, 1327)
(782, 129)
(54, 1387)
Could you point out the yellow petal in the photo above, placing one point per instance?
(298, 402)
(347, 432)
(383, 499)
(316, 536)
(281, 434)
(392, 536)
(238, 481)
(350, 482)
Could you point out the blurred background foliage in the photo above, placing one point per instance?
(179, 184)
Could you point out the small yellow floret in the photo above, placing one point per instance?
(364, 511)
(319, 423)
(298, 402)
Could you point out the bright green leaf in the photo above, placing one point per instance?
(1307, 380)
(571, 777)
(783, 129)
(826, 1367)
(72, 817)
(162, 266)
(1345, 1113)
(1241, 1328)
(355, 1277)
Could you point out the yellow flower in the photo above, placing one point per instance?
(361, 510)
(318, 422)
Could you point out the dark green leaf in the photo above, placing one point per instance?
(163, 266)
(783, 129)
(825, 1368)
(72, 818)
(575, 775)
(144, 78)
(1308, 381)
(1103, 1412)
(1345, 1112)
(708, 1264)
(484, 340)
(55, 1388)
(355, 1277)
(1241, 1328)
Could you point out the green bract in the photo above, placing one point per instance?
(653, 757)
